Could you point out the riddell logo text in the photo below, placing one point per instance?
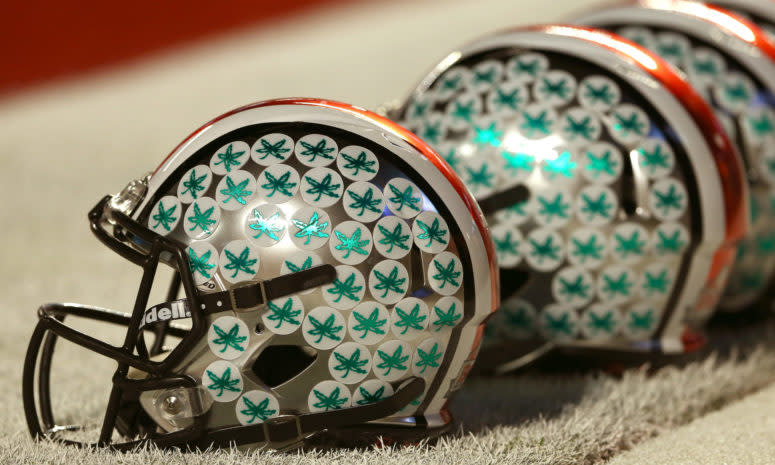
(154, 314)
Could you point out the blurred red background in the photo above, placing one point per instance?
(42, 41)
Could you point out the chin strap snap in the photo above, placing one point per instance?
(243, 296)
(286, 429)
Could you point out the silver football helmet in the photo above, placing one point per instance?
(731, 63)
(336, 278)
(632, 198)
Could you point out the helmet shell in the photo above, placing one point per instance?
(731, 63)
(582, 260)
(278, 186)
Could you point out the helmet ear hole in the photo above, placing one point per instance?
(278, 364)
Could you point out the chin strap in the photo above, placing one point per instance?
(243, 296)
(286, 429)
(503, 199)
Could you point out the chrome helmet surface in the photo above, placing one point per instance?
(731, 63)
(335, 279)
(632, 197)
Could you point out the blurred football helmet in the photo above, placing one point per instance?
(633, 197)
(732, 64)
(336, 273)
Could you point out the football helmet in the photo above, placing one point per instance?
(732, 64)
(336, 274)
(633, 198)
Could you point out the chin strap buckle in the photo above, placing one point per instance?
(281, 430)
(253, 293)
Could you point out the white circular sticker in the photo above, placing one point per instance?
(554, 207)
(409, 318)
(403, 198)
(596, 205)
(255, 407)
(628, 124)
(271, 149)
(278, 183)
(265, 225)
(629, 243)
(462, 110)
(223, 381)
(392, 237)
(351, 242)
(601, 322)
(616, 284)
(309, 228)
(670, 239)
(480, 175)
(527, 67)
(316, 150)
(239, 261)
(451, 81)
(734, 92)
(427, 358)
(433, 129)
(602, 163)
(392, 360)
(368, 322)
(230, 158)
(347, 290)
(543, 249)
(587, 248)
(580, 127)
(350, 363)
(323, 328)
(536, 121)
(640, 35)
(430, 231)
(202, 218)
(507, 98)
(445, 273)
(283, 315)
(357, 163)
(388, 281)
(228, 337)
(559, 322)
(235, 190)
(363, 202)
(656, 158)
(656, 282)
(165, 215)
(194, 183)
(372, 391)
(668, 199)
(447, 313)
(484, 75)
(321, 187)
(202, 261)
(640, 321)
(598, 93)
(573, 286)
(555, 88)
(328, 395)
(507, 240)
